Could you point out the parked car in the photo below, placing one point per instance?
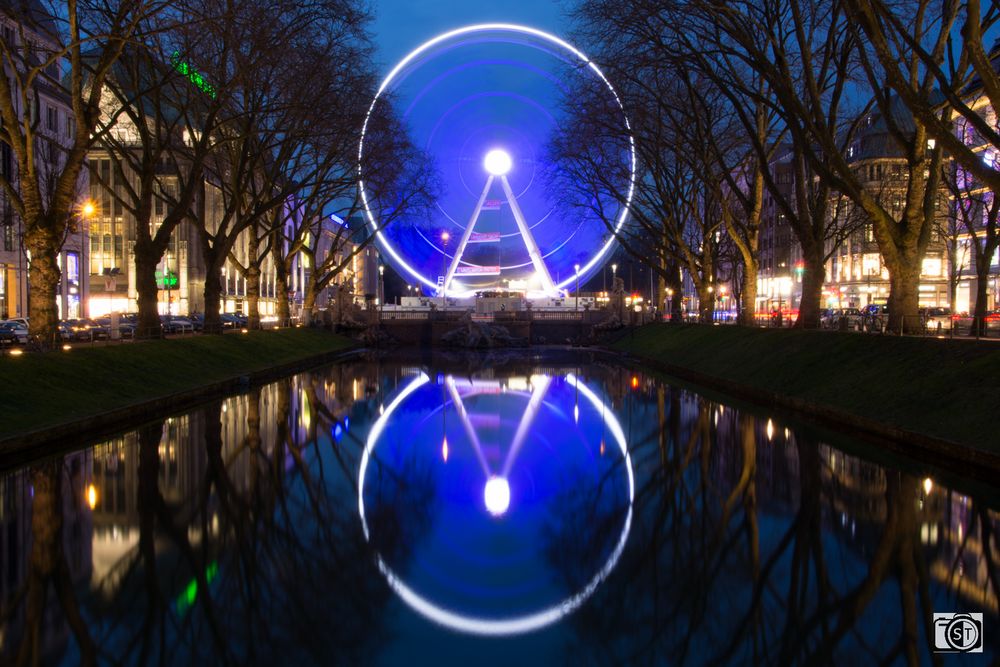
(98, 331)
(80, 329)
(175, 324)
(832, 317)
(936, 318)
(233, 320)
(125, 328)
(13, 332)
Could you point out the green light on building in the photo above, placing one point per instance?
(185, 69)
(166, 280)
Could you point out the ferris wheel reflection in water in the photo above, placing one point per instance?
(532, 397)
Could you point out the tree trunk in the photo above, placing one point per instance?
(706, 305)
(978, 327)
(281, 295)
(213, 300)
(812, 289)
(675, 285)
(43, 281)
(147, 292)
(308, 303)
(253, 297)
(748, 300)
(253, 279)
(904, 302)
(661, 297)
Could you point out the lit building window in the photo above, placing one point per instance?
(931, 266)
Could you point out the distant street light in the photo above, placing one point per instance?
(381, 290)
(444, 270)
(88, 210)
(576, 302)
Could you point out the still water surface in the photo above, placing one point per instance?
(487, 510)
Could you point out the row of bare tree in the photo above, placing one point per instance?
(241, 118)
(739, 106)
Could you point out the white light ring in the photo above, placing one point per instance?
(486, 27)
(505, 626)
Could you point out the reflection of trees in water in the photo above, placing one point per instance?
(256, 558)
(726, 565)
(586, 521)
(295, 581)
(49, 574)
(399, 501)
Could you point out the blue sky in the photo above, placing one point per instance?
(402, 25)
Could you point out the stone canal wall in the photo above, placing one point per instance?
(535, 328)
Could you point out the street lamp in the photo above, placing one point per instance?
(576, 301)
(444, 270)
(88, 211)
(381, 290)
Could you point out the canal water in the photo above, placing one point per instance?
(490, 509)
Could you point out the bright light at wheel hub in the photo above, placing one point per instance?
(497, 162)
(497, 495)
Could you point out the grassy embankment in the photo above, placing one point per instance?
(948, 389)
(41, 390)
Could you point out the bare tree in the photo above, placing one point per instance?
(265, 149)
(157, 128)
(400, 185)
(814, 44)
(305, 150)
(674, 212)
(805, 52)
(82, 40)
(915, 43)
(974, 210)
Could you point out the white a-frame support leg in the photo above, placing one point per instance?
(466, 236)
(548, 286)
(541, 270)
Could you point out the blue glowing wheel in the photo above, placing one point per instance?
(483, 102)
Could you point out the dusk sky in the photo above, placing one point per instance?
(402, 25)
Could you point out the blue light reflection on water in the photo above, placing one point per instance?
(475, 571)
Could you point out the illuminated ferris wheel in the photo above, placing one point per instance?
(483, 102)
